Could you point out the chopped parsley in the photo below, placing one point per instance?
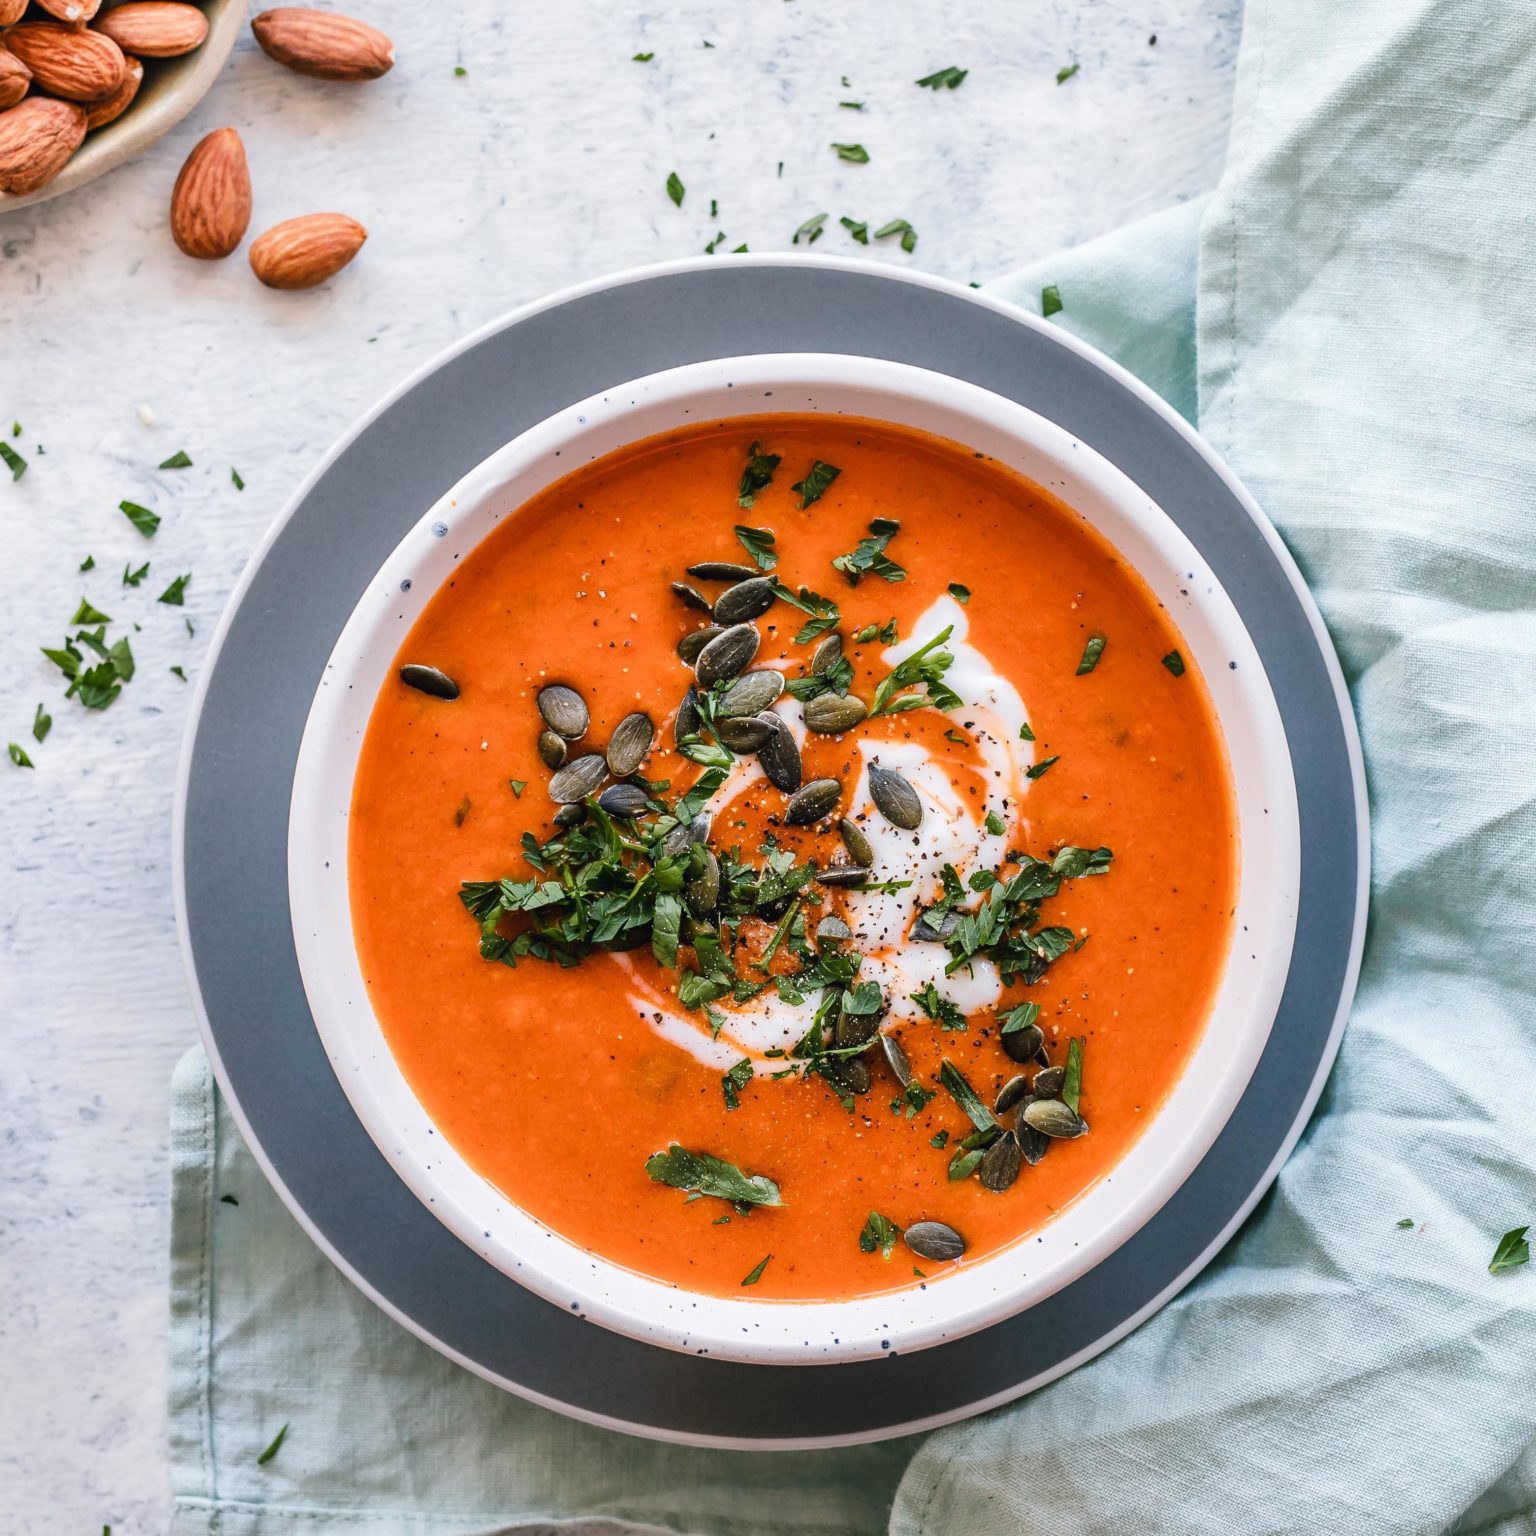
(701, 1174)
(756, 477)
(1050, 301)
(817, 478)
(13, 461)
(924, 668)
(141, 517)
(1175, 663)
(675, 188)
(459, 71)
(131, 577)
(1025, 733)
(1019, 1018)
(884, 633)
(899, 227)
(175, 594)
(42, 723)
(852, 106)
(735, 1080)
(879, 1235)
(86, 614)
(811, 229)
(1043, 767)
(857, 228)
(177, 460)
(1514, 1250)
(642, 58)
(995, 824)
(1091, 653)
(868, 557)
(960, 593)
(757, 1273)
(855, 154)
(1066, 72)
(942, 79)
(965, 1096)
(1405, 1223)
(88, 564)
(178, 672)
(517, 787)
(938, 1008)
(235, 480)
(274, 1448)
(1072, 1084)
(18, 756)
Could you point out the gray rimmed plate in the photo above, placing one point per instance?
(249, 716)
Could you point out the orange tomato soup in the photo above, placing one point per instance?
(558, 1083)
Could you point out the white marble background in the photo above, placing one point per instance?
(543, 164)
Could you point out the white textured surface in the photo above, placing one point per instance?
(543, 164)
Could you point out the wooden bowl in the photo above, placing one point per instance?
(172, 87)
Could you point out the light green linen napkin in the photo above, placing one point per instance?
(1359, 346)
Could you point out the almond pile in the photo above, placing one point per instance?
(66, 70)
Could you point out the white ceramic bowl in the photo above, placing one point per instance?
(172, 87)
(977, 1293)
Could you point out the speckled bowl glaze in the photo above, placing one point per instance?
(975, 1293)
(172, 87)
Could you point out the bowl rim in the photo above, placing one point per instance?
(139, 127)
(644, 1307)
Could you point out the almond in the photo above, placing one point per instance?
(12, 10)
(155, 29)
(37, 136)
(211, 206)
(15, 77)
(70, 62)
(77, 11)
(300, 253)
(323, 45)
(112, 107)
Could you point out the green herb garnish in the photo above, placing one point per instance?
(1175, 663)
(13, 461)
(961, 594)
(18, 756)
(178, 672)
(855, 227)
(88, 564)
(1050, 301)
(965, 1096)
(879, 1235)
(86, 614)
(938, 1008)
(675, 188)
(235, 480)
(175, 594)
(701, 1174)
(1405, 1223)
(1064, 74)
(757, 1273)
(1513, 1251)
(995, 824)
(756, 477)
(811, 229)
(925, 667)
(941, 79)
(1025, 733)
(899, 227)
(42, 723)
(817, 478)
(274, 1448)
(642, 58)
(1040, 769)
(517, 786)
(852, 106)
(141, 517)
(1020, 1017)
(1091, 653)
(1072, 1084)
(177, 460)
(868, 556)
(855, 154)
(735, 1080)
(131, 577)
(824, 613)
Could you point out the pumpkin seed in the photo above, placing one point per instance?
(687, 722)
(429, 680)
(694, 641)
(1000, 1163)
(858, 846)
(1052, 1118)
(780, 755)
(564, 711)
(838, 873)
(571, 815)
(856, 1028)
(1024, 1044)
(833, 929)
(1033, 1144)
(1048, 1082)
(934, 1240)
(896, 1059)
(852, 1075)
(702, 890)
(721, 570)
(810, 804)
(552, 749)
(623, 800)
(684, 835)
(747, 600)
(630, 744)
(751, 693)
(935, 927)
(578, 779)
(743, 736)
(828, 653)
(894, 798)
(1013, 1092)
(727, 654)
(691, 596)
(829, 715)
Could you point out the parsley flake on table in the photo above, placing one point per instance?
(857, 228)
(141, 517)
(13, 461)
(902, 228)
(811, 229)
(175, 594)
(274, 1448)
(642, 58)
(235, 480)
(1513, 1251)
(18, 756)
(177, 460)
(942, 79)
(1066, 72)
(675, 188)
(42, 723)
(131, 577)
(1050, 301)
(854, 154)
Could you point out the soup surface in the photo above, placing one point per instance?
(724, 1042)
